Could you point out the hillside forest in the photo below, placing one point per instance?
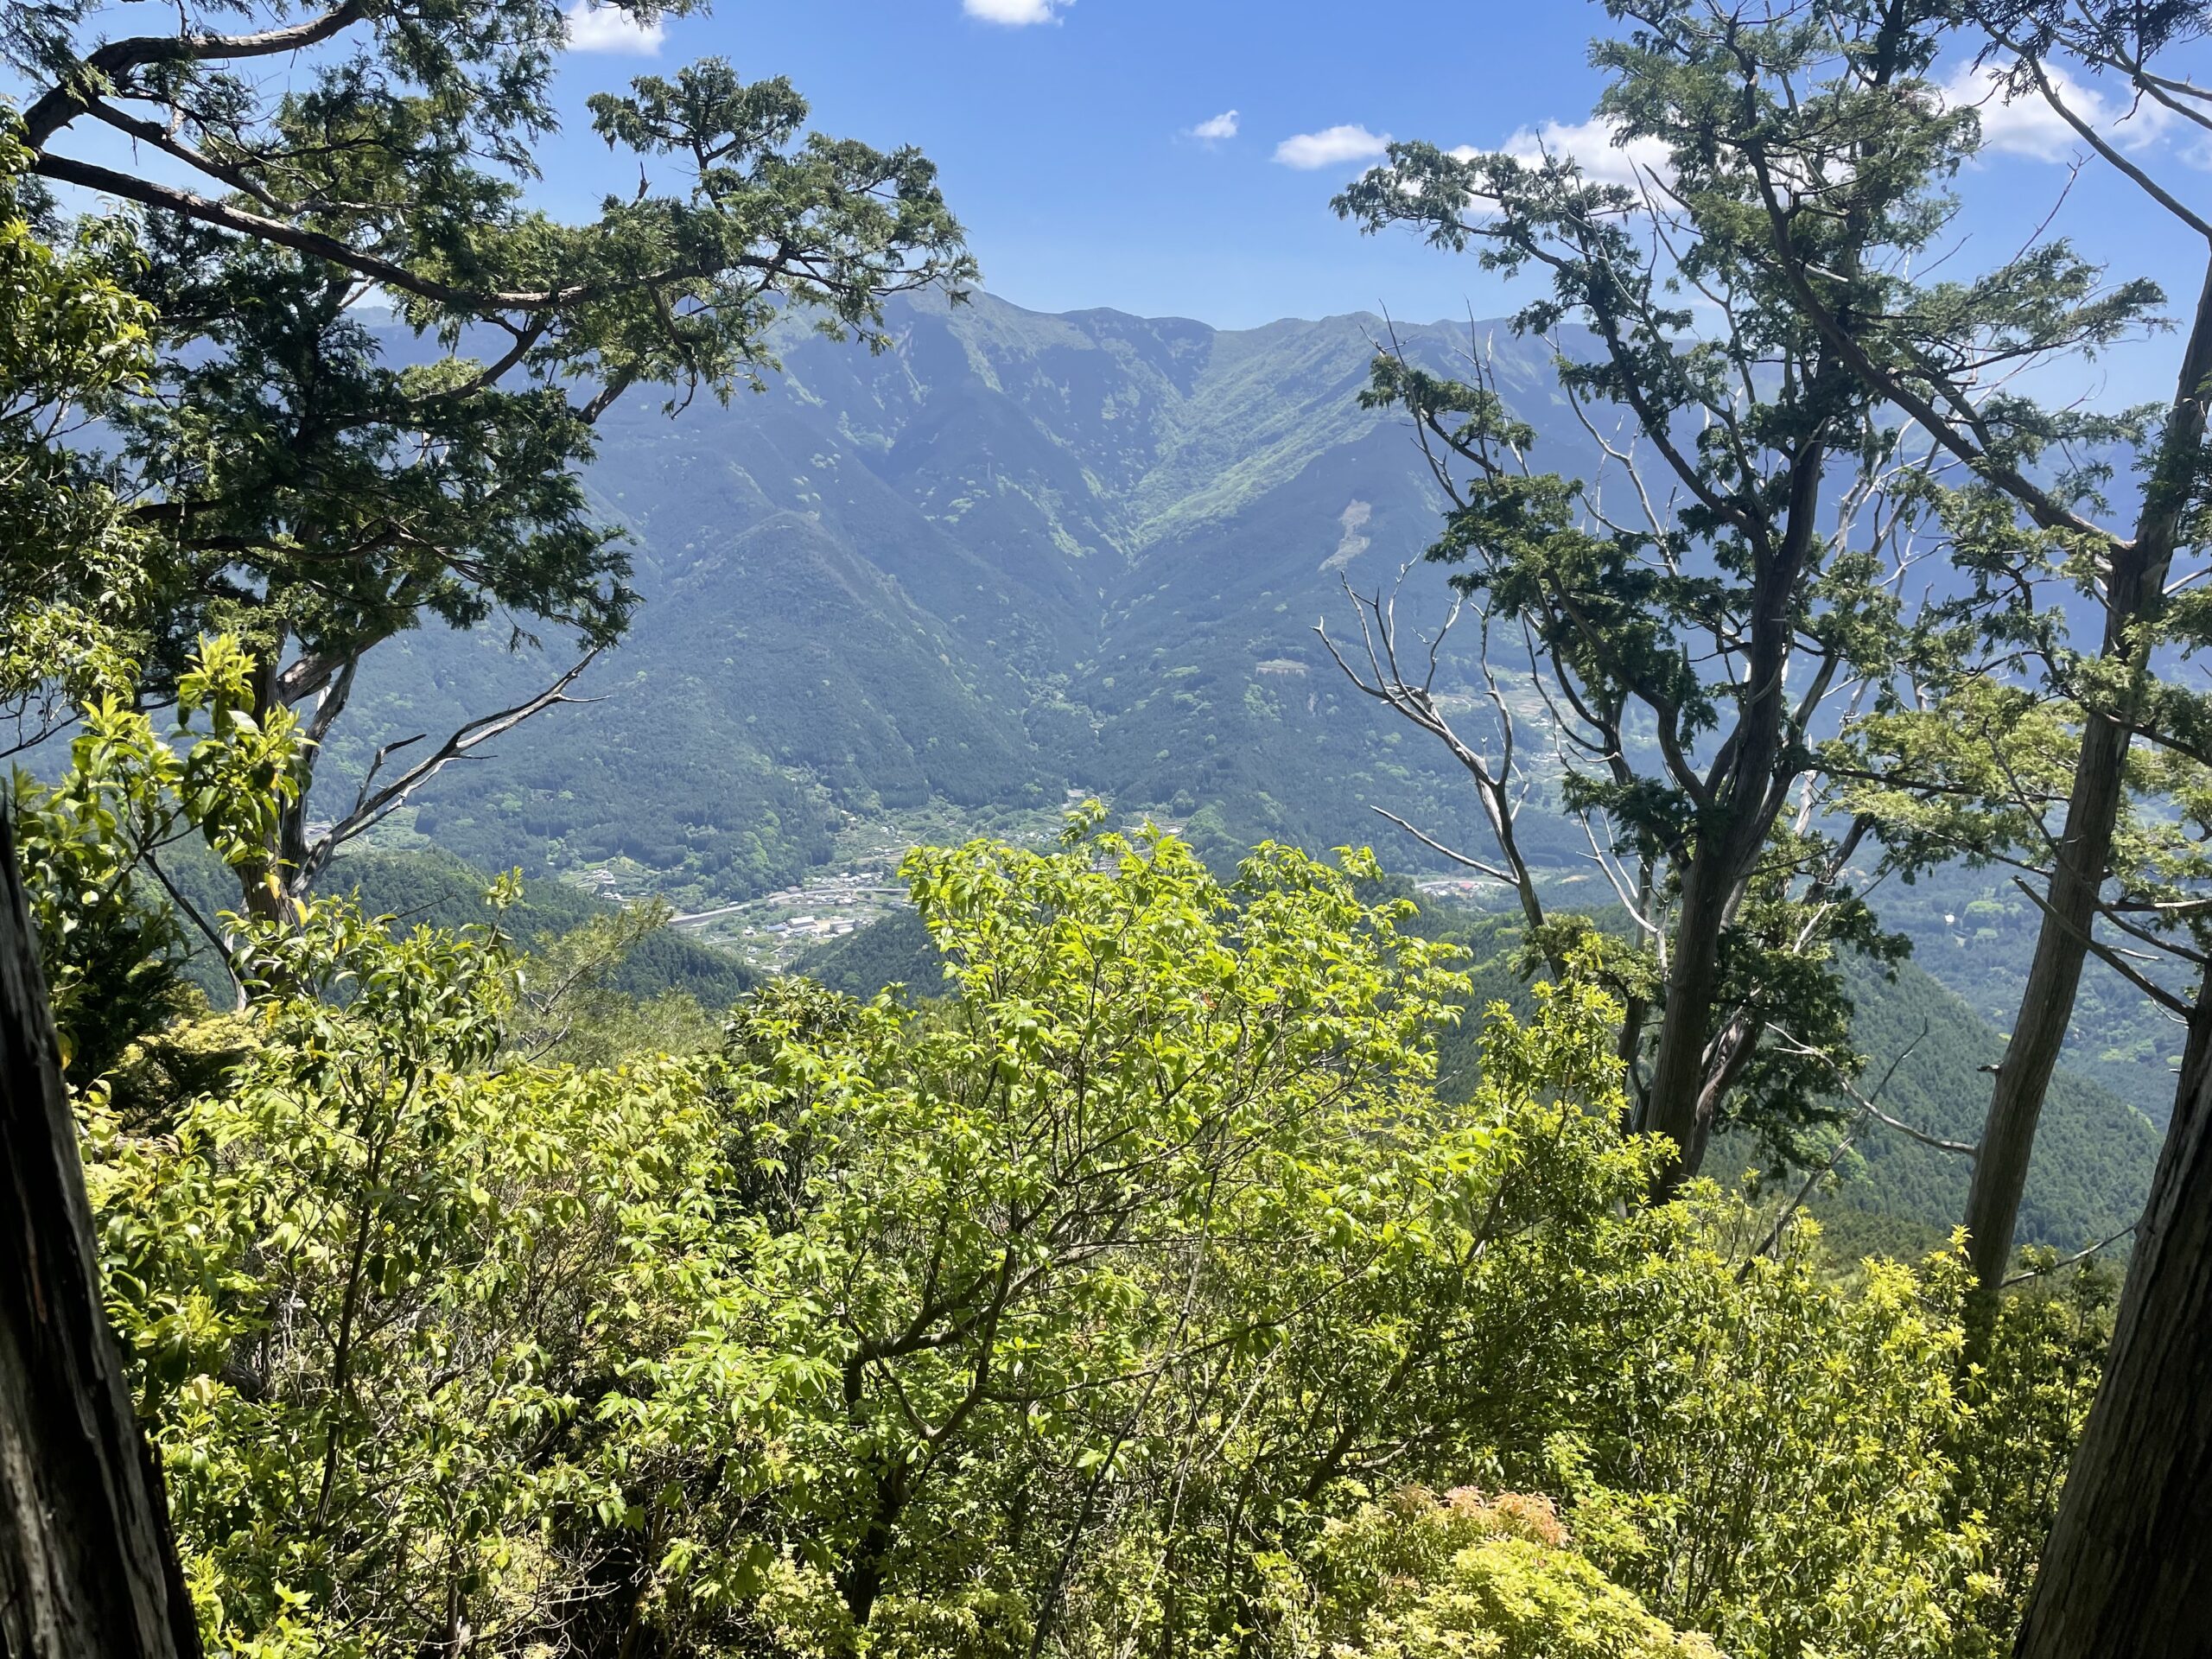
(701, 956)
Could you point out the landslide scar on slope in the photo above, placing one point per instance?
(1352, 544)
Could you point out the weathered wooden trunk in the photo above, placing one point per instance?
(87, 1570)
(2127, 1569)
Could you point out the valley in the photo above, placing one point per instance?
(715, 948)
(1012, 560)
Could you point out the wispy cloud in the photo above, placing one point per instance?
(1331, 147)
(2026, 125)
(1016, 14)
(602, 28)
(1217, 128)
(1593, 145)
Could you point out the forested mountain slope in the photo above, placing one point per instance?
(1011, 556)
(1016, 556)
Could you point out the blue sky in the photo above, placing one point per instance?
(1068, 148)
(1069, 140)
(1176, 157)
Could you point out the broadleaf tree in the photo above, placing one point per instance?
(1082, 1311)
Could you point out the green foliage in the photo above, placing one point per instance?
(362, 1280)
(1094, 1307)
(1769, 494)
(570, 1010)
(1892, 1196)
(2027, 1396)
(1770, 1379)
(634, 960)
(1460, 1577)
(71, 335)
(1132, 1295)
(89, 843)
(315, 486)
(2094, 1151)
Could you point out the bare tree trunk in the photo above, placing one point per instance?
(87, 1565)
(2135, 592)
(2127, 1569)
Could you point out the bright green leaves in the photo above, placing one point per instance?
(1420, 1577)
(1091, 1307)
(1151, 1225)
(363, 1280)
(1769, 1380)
(236, 782)
(90, 845)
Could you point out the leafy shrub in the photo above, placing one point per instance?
(1462, 1577)
(1093, 1309)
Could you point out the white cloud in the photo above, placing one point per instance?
(602, 28)
(1217, 127)
(1331, 147)
(1595, 147)
(1016, 14)
(2026, 125)
(1590, 144)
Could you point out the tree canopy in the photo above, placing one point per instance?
(312, 480)
(1154, 1287)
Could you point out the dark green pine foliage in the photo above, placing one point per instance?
(315, 485)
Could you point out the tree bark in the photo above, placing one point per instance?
(2008, 1135)
(1746, 796)
(2135, 592)
(1685, 1021)
(87, 1564)
(2016, 1103)
(2127, 1569)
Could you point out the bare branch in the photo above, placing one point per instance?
(1866, 1103)
(2110, 958)
(1434, 845)
(2066, 1261)
(370, 808)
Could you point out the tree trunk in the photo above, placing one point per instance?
(2127, 1569)
(87, 1564)
(2135, 592)
(862, 1582)
(2008, 1135)
(1733, 829)
(1678, 1062)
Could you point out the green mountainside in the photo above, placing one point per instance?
(1015, 557)
(1011, 556)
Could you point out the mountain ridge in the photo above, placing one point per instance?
(1012, 556)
